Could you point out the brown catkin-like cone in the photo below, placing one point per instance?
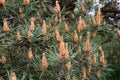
(79, 49)
(87, 44)
(4, 60)
(94, 59)
(57, 35)
(44, 61)
(84, 75)
(5, 26)
(13, 76)
(25, 2)
(84, 25)
(75, 36)
(100, 49)
(94, 34)
(32, 25)
(102, 58)
(88, 48)
(68, 66)
(2, 2)
(62, 50)
(89, 59)
(18, 36)
(21, 13)
(83, 7)
(44, 26)
(30, 54)
(98, 16)
(66, 27)
(104, 23)
(104, 63)
(98, 74)
(80, 25)
(118, 32)
(57, 7)
(29, 35)
(89, 70)
(56, 20)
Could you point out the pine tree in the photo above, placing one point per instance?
(42, 39)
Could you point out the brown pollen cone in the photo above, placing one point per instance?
(2, 2)
(66, 27)
(44, 26)
(4, 60)
(18, 37)
(32, 25)
(30, 54)
(44, 61)
(57, 35)
(83, 7)
(118, 32)
(75, 36)
(14, 76)
(80, 25)
(25, 2)
(68, 66)
(5, 26)
(98, 16)
(62, 50)
(29, 35)
(57, 7)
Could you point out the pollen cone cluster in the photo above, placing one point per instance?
(66, 27)
(30, 54)
(81, 24)
(68, 66)
(56, 20)
(102, 60)
(84, 75)
(62, 49)
(54, 39)
(118, 32)
(2, 2)
(44, 61)
(89, 69)
(44, 28)
(18, 36)
(57, 35)
(57, 7)
(98, 16)
(29, 35)
(13, 76)
(32, 25)
(25, 2)
(83, 7)
(4, 60)
(75, 36)
(21, 13)
(94, 34)
(5, 26)
(98, 74)
(87, 44)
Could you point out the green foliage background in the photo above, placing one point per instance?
(16, 52)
